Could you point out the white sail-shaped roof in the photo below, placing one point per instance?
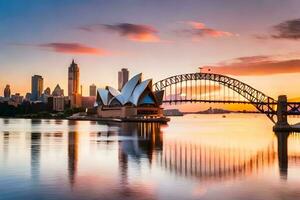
(134, 92)
(114, 92)
(103, 93)
(128, 89)
(138, 91)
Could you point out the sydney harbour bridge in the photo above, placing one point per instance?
(217, 88)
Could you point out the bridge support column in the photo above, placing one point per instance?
(282, 122)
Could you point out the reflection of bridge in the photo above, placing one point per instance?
(197, 160)
(211, 162)
(217, 88)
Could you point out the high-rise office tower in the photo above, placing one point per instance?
(7, 91)
(123, 76)
(37, 82)
(93, 89)
(73, 85)
(73, 79)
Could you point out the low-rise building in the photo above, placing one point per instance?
(17, 98)
(58, 103)
(88, 102)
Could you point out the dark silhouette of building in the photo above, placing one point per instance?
(7, 91)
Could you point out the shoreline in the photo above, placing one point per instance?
(162, 120)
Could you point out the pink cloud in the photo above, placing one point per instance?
(73, 48)
(199, 30)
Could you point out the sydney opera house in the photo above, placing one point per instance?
(136, 99)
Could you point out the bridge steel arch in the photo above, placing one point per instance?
(258, 99)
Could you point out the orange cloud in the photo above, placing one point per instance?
(196, 25)
(255, 66)
(73, 48)
(199, 30)
(135, 32)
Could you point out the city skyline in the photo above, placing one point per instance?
(160, 39)
(150, 99)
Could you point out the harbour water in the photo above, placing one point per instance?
(193, 157)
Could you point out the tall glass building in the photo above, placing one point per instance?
(37, 82)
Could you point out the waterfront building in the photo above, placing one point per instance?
(123, 76)
(17, 98)
(7, 91)
(58, 103)
(93, 89)
(37, 82)
(136, 99)
(27, 96)
(58, 91)
(88, 102)
(44, 97)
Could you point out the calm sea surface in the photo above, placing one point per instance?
(193, 157)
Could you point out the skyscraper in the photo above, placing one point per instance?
(93, 90)
(73, 85)
(7, 91)
(36, 87)
(73, 79)
(123, 76)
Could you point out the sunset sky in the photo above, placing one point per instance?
(255, 41)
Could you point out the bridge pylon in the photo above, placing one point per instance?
(282, 111)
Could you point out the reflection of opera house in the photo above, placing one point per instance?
(136, 99)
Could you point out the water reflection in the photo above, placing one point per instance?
(211, 162)
(191, 159)
(35, 147)
(282, 145)
(88, 160)
(72, 156)
(5, 145)
(141, 140)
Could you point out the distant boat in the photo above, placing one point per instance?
(224, 116)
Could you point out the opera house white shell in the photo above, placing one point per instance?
(135, 92)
